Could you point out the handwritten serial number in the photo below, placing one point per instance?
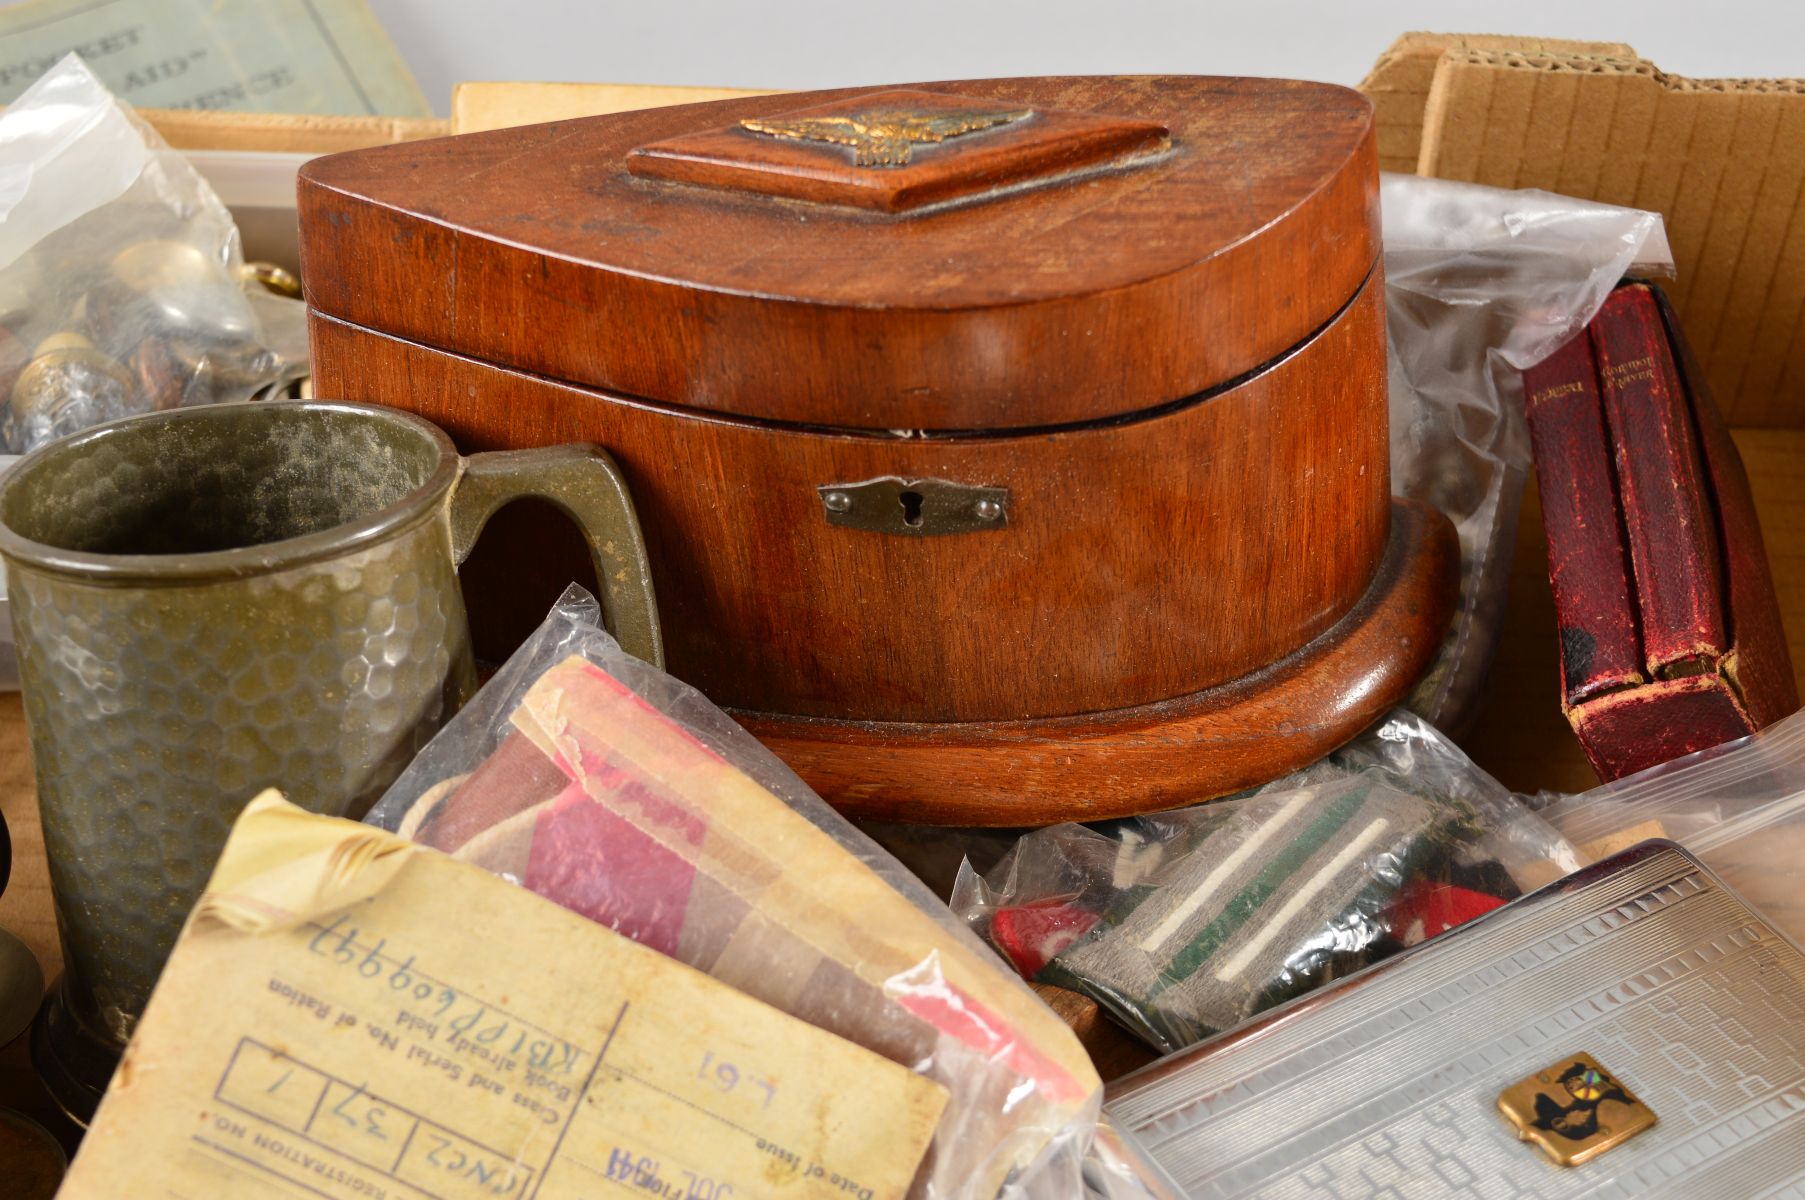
(471, 1024)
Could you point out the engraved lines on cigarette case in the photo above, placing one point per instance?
(1173, 1090)
(1433, 1140)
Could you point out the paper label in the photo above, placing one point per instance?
(289, 56)
(453, 1036)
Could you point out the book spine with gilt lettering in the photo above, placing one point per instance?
(1588, 565)
(1667, 512)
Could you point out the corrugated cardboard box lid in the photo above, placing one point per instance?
(1398, 85)
(1722, 160)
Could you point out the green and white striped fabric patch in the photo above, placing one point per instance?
(1276, 899)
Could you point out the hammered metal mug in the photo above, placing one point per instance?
(213, 600)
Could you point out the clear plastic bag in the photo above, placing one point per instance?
(123, 287)
(604, 784)
(937, 854)
(1740, 807)
(1480, 283)
(1186, 923)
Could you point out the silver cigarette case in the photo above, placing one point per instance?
(1635, 1029)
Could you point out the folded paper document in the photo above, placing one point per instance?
(350, 1015)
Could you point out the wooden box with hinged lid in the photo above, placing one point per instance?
(1008, 450)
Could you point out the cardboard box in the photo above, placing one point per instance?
(1400, 82)
(1723, 160)
(476, 107)
(251, 158)
(198, 129)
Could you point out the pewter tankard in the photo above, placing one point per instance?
(217, 599)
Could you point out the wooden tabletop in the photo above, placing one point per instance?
(1521, 736)
(25, 911)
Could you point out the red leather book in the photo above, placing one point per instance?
(1587, 562)
(1695, 610)
(1637, 728)
(1758, 665)
(1660, 484)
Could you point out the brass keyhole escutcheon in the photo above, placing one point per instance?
(914, 507)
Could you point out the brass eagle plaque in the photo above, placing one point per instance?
(865, 150)
(885, 137)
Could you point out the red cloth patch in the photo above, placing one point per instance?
(603, 867)
(1030, 935)
(1427, 909)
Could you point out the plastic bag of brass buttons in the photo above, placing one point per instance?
(607, 786)
(1184, 924)
(123, 288)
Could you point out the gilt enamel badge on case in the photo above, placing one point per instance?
(1574, 1110)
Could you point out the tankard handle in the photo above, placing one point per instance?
(583, 482)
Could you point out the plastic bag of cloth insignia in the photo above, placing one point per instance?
(607, 786)
(1184, 924)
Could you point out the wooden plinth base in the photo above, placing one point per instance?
(1156, 756)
